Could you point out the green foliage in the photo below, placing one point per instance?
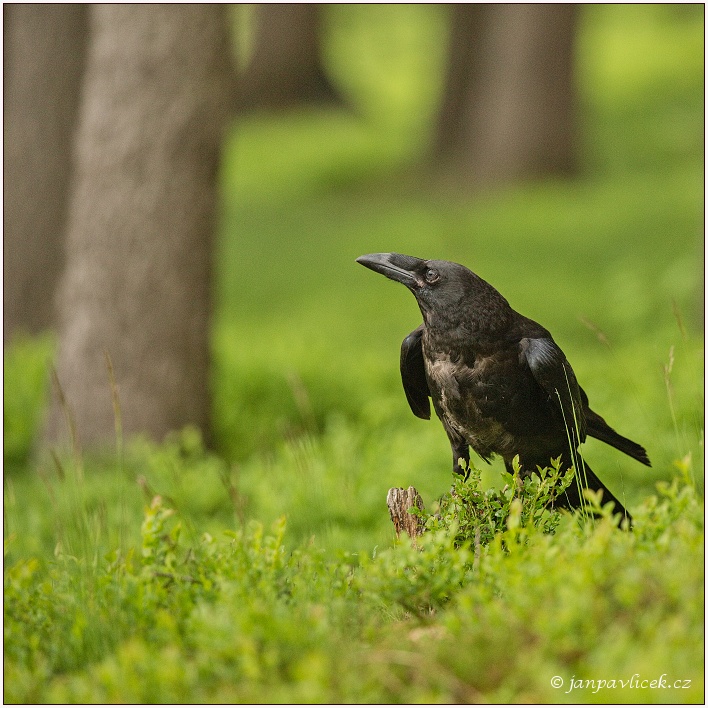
(243, 618)
(478, 515)
(217, 605)
(167, 572)
(502, 618)
(421, 576)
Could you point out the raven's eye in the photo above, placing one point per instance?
(432, 275)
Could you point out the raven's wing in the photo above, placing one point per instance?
(552, 371)
(413, 374)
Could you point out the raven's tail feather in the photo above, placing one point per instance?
(585, 478)
(597, 428)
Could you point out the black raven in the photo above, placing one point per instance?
(498, 381)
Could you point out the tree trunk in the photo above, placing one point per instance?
(43, 58)
(286, 67)
(137, 282)
(508, 111)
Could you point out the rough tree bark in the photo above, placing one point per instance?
(399, 501)
(43, 55)
(137, 283)
(286, 66)
(508, 111)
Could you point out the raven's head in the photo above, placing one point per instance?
(444, 290)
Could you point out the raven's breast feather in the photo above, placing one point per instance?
(460, 398)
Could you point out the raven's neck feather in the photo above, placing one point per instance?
(478, 312)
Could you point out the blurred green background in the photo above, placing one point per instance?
(309, 415)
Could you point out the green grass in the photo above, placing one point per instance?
(110, 599)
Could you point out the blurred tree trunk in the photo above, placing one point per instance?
(43, 56)
(508, 110)
(286, 66)
(137, 282)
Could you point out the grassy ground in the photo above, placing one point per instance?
(108, 601)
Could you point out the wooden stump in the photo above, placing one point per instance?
(399, 501)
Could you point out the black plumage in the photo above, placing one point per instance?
(498, 381)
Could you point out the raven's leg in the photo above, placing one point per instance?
(460, 451)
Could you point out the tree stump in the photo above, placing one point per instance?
(399, 501)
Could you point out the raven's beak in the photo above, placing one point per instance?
(394, 266)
